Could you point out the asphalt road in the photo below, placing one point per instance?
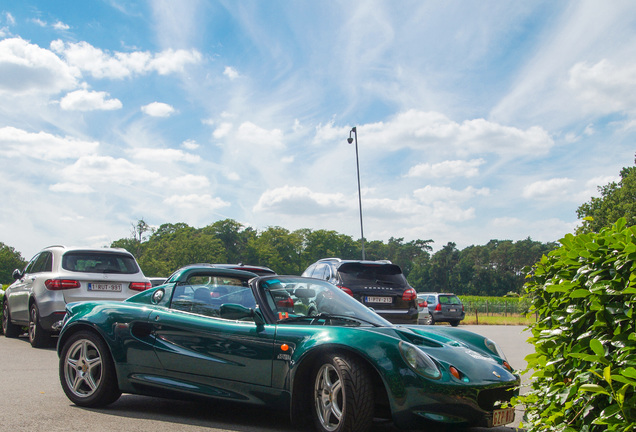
(31, 398)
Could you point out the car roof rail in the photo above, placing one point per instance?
(330, 259)
(386, 261)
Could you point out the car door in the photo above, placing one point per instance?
(188, 340)
(22, 289)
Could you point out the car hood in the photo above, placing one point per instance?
(465, 350)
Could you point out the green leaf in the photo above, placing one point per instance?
(629, 372)
(597, 347)
(593, 388)
(580, 293)
(607, 375)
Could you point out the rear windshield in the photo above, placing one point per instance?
(377, 273)
(99, 262)
(449, 299)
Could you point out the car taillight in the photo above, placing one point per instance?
(140, 286)
(409, 295)
(438, 307)
(287, 303)
(423, 304)
(61, 284)
(345, 289)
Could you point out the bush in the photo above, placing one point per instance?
(584, 375)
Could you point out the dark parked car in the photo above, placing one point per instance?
(444, 307)
(227, 334)
(380, 285)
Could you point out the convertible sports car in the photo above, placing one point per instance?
(294, 343)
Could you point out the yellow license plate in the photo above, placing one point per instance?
(502, 417)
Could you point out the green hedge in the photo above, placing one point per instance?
(584, 363)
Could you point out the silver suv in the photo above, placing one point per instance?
(444, 307)
(58, 275)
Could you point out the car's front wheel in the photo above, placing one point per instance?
(454, 323)
(37, 335)
(9, 329)
(87, 371)
(343, 395)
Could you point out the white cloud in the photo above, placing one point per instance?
(553, 189)
(189, 182)
(59, 25)
(118, 65)
(73, 188)
(421, 130)
(300, 200)
(231, 73)
(108, 170)
(251, 134)
(190, 145)
(17, 142)
(27, 68)
(430, 194)
(158, 109)
(605, 87)
(451, 168)
(163, 155)
(222, 130)
(84, 100)
(196, 201)
(9, 18)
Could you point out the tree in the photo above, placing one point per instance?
(10, 259)
(617, 200)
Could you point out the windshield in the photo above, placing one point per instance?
(352, 273)
(299, 300)
(99, 262)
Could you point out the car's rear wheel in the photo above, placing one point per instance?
(343, 395)
(454, 323)
(37, 335)
(9, 329)
(87, 371)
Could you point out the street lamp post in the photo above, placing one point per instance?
(350, 140)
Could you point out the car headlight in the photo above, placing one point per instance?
(494, 348)
(419, 361)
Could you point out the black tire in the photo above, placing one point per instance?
(87, 371)
(38, 337)
(9, 329)
(343, 395)
(454, 323)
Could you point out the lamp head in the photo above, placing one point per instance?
(353, 130)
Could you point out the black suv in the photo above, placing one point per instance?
(380, 285)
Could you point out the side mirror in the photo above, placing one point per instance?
(17, 274)
(233, 311)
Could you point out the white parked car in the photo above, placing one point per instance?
(424, 317)
(58, 275)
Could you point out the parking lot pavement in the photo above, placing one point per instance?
(33, 400)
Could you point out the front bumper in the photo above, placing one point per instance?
(473, 407)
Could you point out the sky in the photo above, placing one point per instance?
(475, 120)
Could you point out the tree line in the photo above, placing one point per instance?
(493, 269)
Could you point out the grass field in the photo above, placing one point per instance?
(499, 319)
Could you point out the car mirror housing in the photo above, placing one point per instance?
(17, 274)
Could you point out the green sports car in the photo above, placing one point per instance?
(293, 343)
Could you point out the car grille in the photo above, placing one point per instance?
(489, 397)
